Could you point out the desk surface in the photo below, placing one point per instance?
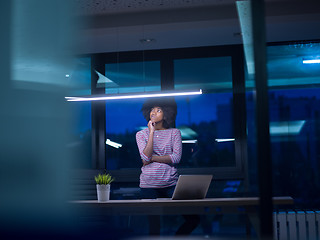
(207, 202)
(207, 206)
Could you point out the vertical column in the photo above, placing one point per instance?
(167, 73)
(240, 113)
(98, 113)
(262, 117)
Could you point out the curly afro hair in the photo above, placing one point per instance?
(169, 108)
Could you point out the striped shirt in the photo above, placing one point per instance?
(165, 142)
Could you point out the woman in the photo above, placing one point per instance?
(160, 148)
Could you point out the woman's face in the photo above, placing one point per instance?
(156, 114)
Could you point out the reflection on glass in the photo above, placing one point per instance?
(295, 144)
(79, 77)
(132, 77)
(201, 120)
(123, 120)
(40, 47)
(80, 142)
(286, 67)
(204, 119)
(294, 113)
(208, 116)
(79, 82)
(205, 73)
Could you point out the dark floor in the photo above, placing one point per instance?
(224, 227)
(136, 227)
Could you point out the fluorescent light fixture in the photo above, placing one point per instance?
(224, 139)
(286, 128)
(189, 141)
(311, 61)
(113, 144)
(134, 95)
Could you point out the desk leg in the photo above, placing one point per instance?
(248, 227)
(154, 225)
(129, 221)
(253, 220)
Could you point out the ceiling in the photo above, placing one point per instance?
(93, 7)
(41, 37)
(121, 25)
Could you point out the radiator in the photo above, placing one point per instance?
(296, 225)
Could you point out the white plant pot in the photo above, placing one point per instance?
(103, 192)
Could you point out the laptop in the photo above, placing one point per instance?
(192, 187)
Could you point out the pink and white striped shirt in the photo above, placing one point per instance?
(165, 142)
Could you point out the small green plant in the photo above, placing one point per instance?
(103, 179)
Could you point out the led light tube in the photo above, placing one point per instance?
(225, 139)
(113, 144)
(189, 141)
(311, 61)
(141, 95)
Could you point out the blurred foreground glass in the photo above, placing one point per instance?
(34, 119)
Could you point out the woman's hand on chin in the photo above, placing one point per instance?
(151, 126)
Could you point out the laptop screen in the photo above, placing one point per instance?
(192, 187)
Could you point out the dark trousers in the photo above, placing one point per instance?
(190, 221)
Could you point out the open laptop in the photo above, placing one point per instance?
(192, 187)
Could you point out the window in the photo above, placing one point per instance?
(213, 74)
(124, 117)
(123, 120)
(132, 77)
(211, 138)
(294, 111)
(206, 121)
(294, 99)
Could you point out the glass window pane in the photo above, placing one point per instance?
(123, 120)
(124, 117)
(206, 120)
(295, 132)
(205, 73)
(79, 78)
(294, 99)
(288, 65)
(294, 113)
(131, 77)
(206, 126)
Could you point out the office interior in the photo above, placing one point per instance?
(255, 127)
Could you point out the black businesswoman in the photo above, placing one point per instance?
(160, 148)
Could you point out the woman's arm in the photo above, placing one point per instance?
(148, 150)
(177, 147)
(175, 157)
(142, 142)
(161, 159)
(146, 146)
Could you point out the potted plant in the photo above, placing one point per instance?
(103, 182)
